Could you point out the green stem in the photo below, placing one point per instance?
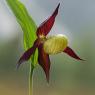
(31, 80)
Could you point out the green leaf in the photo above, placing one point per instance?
(27, 24)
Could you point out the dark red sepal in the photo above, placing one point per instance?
(71, 53)
(44, 61)
(46, 26)
(27, 54)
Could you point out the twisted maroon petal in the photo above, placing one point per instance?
(27, 54)
(71, 53)
(46, 26)
(44, 61)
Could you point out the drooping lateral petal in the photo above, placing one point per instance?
(27, 54)
(44, 61)
(46, 26)
(71, 53)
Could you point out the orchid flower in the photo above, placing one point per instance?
(48, 45)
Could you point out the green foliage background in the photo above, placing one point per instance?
(27, 24)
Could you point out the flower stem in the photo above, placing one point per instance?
(31, 80)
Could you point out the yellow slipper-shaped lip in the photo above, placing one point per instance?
(55, 44)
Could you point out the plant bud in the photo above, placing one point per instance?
(55, 44)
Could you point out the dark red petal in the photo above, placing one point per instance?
(44, 61)
(71, 53)
(46, 26)
(27, 54)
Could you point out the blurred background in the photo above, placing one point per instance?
(68, 76)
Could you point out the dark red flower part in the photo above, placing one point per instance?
(71, 53)
(26, 56)
(46, 26)
(44, 61)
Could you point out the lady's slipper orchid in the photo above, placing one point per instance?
(48, 45)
